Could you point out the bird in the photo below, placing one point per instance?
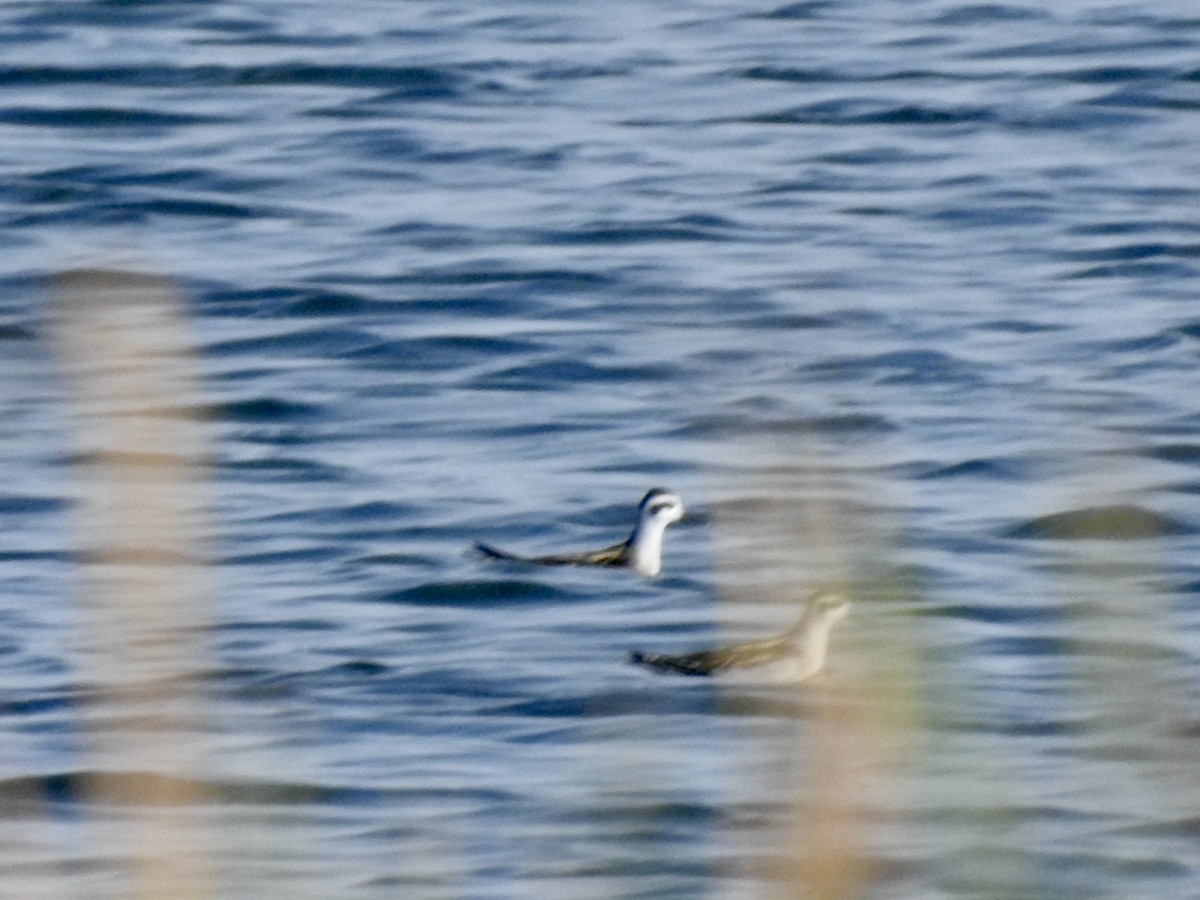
(641, 551)
(794, 656)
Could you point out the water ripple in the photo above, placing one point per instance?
(900, 294)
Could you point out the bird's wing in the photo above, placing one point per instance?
(710, 662)
(686, 664)
(616, 555)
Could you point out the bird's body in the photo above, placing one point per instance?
(796, 655)
(641, 551)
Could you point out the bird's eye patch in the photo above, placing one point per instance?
(659, 507)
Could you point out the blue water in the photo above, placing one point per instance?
(894, 293)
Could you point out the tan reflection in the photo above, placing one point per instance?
(823, 755)
(140, 526)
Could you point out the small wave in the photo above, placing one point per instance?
(802, 11)
(615, 703)
(100, 117)
(307, 342)
(281, 469)
(1019, 326)
(483, 274)
(1002, 615)
(789, 75)
(863, 112)
(177, 206)
(987, 14)
(993, 469)
(267, 410)
(1184, 453)
(1134, 252)
(687, 228)
(308, 303)
(913, 366)
(276, 557)
(1114, 74)
(561, 373)
(407, 81)
(441, 352)
(1135, 270)
(13, 332)
(413, 81)
(357, 668)
(1118, 522)
(849, 423)
(22, 504)
(474, 593)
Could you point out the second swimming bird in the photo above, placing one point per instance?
(641, 551)
(796, 655)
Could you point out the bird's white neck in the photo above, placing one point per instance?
(811, 646)
(645, 547)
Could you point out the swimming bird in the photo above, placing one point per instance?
(641, 552)
(796, 655)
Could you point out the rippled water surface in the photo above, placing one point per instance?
(896, 294)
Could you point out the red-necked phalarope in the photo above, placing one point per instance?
(795, 655)
(642, 552)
